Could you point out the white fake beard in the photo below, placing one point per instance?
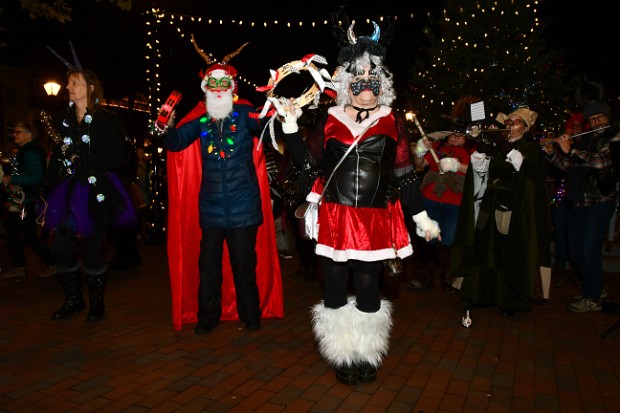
(219, 104)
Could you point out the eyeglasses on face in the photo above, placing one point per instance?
(222, 82)
(511, 122)
(597, 118)
(16, 131)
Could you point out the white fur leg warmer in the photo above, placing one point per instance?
(347, 336)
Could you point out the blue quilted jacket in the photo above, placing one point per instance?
(229, 192)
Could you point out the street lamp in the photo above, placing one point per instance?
(51, 88)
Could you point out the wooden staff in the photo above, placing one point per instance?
(431, 150)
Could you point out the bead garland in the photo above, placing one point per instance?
(68, 141)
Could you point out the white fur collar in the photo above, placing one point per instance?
(356, 128)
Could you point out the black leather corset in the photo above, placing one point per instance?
(365, 175)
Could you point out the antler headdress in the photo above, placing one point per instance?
(223, 65)
(71, 66)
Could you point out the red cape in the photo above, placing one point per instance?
(184, 174)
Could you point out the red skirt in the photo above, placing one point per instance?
(364, 234)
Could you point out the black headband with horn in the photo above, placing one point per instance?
(357, 46)
(352, 46)
(71, 66)
(590, 91)
(591, 96)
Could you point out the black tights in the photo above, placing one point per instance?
(365, 281)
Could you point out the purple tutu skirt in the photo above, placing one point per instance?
(74, 204)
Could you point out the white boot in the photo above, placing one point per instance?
(372, 331)
(333, 330)
(373, 340)
(348, 337)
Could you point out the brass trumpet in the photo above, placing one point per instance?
(475, 130)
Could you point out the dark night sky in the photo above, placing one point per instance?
(584, 32)
(112, 42)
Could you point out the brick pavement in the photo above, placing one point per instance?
(549, 360)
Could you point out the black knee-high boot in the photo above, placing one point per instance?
(96, 291)
(71, 283)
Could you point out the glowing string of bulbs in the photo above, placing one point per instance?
(160, 17)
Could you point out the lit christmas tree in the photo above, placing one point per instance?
(490, 51)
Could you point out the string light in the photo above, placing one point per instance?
(181, 23)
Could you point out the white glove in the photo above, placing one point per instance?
(515, 158)
(313, 197)
(424, 223)
(420, 148)
(449, 164)
(479, 162)
(289, 123)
